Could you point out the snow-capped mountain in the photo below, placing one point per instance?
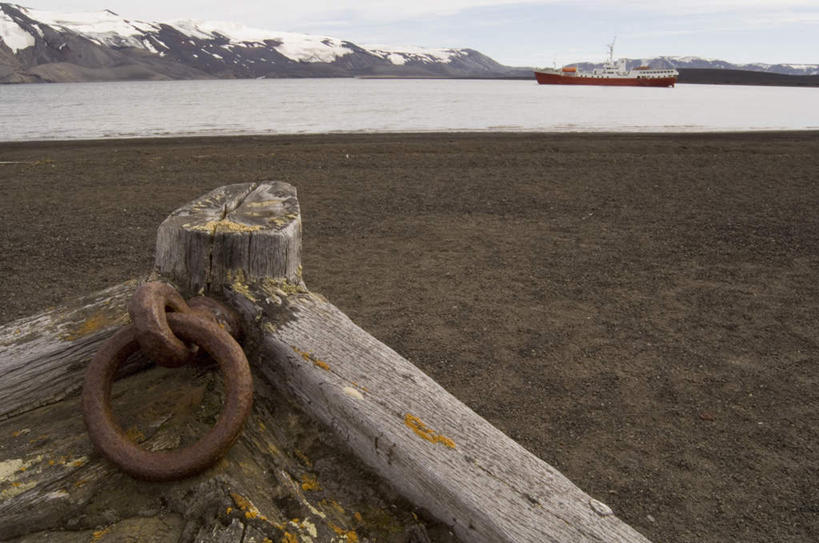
(712, 64)
(38, 45)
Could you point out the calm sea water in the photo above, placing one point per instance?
(299, 106)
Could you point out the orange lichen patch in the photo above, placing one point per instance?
(289, 538)
(246, 506)
(357, 516)
(309, 482)
(425, 432)
(351, 536)
(361, 387)
(96, 536)
(310, 358)
(94, 323)
(303, 457)
(18, 433)
(229, 510)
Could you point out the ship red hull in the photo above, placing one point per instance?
(557, 79)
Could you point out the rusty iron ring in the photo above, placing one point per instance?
(112, 441)
(148, 313)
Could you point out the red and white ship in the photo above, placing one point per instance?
(612, 74)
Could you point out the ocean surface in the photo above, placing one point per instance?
(315, 106)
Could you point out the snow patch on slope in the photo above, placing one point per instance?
(13, 35)
(298, 47)
(102, 27)
(402, 55)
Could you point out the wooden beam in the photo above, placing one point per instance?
(43, 358)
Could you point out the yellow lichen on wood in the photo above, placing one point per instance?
(223, 225)
(16, 488)
(350, 535)
(94, 323)
(281, 287)
(8, 468)
(246, 506)
(310, 358)
(425, 432)
(309, 482)
(238, 286)
(79, 462)
(303, 457)
(264, 203)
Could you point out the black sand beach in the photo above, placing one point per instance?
(640, 311)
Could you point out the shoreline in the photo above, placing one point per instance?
(200, 138)
(636, 309)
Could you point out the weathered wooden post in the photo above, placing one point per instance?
(243, 243)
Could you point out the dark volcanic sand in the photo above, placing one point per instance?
(639, 311)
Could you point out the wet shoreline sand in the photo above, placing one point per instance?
(638, 310)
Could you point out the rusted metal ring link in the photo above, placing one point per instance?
(111, 440)
(147, 309)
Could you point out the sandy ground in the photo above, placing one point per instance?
(640, 311)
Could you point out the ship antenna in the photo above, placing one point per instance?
(611, 50)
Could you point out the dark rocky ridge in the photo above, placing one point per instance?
(745, 77)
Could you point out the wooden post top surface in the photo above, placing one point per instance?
(249, 230)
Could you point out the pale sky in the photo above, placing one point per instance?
(519, 33)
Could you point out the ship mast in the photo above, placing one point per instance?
(611, 50)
